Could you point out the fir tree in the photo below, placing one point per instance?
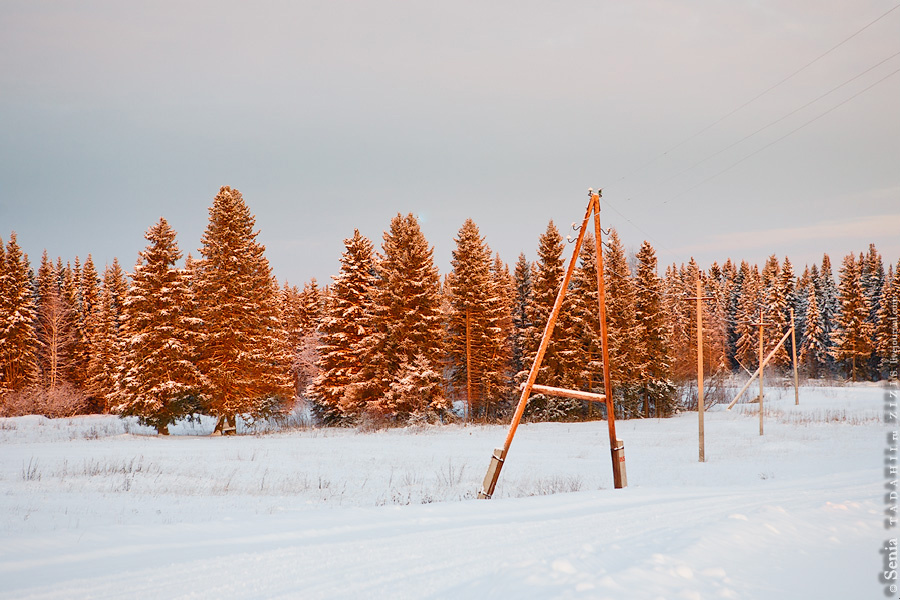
(18, 337)
(887, 332)
(76, 367)
(656, 389)
(748, 312)
(159, 382)
(852, 337)
(344, 329)
(620, 315)
(56, 324)
(244, 359)
(107, 346)
(522, 298)
(588, 362)
(775, 309)
(406, 326)
(497, 377)
(814, 346)
(827, 299)
(547, 278)
(471, 294)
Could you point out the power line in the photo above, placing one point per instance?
(789, 133)
(761, 94)
(778, 120)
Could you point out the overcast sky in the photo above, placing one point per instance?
(330, 116)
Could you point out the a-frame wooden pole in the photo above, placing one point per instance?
(616, 447)
(499, 456)
(794, 353)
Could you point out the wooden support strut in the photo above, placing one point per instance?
(499, 456)
(564, 393)
(755, 373)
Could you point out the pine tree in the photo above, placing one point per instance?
(18, 337)
(245, 359)
(344, 329)
(588, 361)
(107, 346)
(497, 377)
(748, 312)
(55, 325)
(547, 278)
(852, 337)
(471, 293)
(887, 332)
(872, 280)
(406, 327)
(159, 382)
(827, 299)
(76, 368)
(620, 315)
(814, 346)
(521, 324)
(656, 389)
(775, 309)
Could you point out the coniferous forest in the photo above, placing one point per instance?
(391, 341)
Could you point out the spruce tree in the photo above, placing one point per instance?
(406, 328)
(620, 316)
(18, 336)
(827, 299)
(588, 362)
(656, 389)
(244, 359)
(107, 347)
(158, 381)
(344, 329)
(522, 298)
(471, 294)
(852, 338)
(76, 367)
(775, 309)
(547, 278)
(887, 332)
(748, 312)
(55, 325)
(813, 345)
(497, 377)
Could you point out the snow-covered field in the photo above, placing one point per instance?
(95, 507)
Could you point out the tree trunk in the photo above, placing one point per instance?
(162, 429)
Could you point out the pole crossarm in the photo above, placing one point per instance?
(564, 393)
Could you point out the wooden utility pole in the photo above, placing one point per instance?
(762, 362)
(468, 365)
(616, 447)
(699, 298)
(794, 356)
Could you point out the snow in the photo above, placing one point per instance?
(95, 507)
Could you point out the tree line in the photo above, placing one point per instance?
(391, 341)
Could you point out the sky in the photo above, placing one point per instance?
(715, 129)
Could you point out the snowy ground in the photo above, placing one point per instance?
(95, 507)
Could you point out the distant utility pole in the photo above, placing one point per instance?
(794, 357)
(468, 366)
(762, 363)
(699, 298)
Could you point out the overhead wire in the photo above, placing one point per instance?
(760, 94)
(750, 101)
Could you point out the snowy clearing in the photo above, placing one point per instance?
(95, 507)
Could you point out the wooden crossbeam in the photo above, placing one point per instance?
(564, 393)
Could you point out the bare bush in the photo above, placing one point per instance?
(62, 401)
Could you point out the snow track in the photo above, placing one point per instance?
(801, 516)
